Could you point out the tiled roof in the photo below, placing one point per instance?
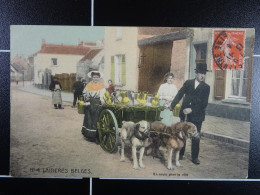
(20, 60)
(90, 55)
(89, 43)
(64, 49)
(17, 67)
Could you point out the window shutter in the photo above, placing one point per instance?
(220, 79)
(123, 72)
(112, 69)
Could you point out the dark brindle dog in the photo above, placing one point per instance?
(172, 137)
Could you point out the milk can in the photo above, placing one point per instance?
(176, 110)
(81, 105)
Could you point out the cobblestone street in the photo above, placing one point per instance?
(46, 142)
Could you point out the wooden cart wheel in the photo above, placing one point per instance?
(108, 131)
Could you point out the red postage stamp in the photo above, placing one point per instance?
(228, 49)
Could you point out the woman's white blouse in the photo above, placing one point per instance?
(167, 90)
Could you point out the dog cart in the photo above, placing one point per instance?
(110, 117)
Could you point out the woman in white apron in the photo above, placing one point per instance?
(56, 88)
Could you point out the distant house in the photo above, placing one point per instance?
(17, 72)
(31, 64)
(27, 67)
(54, 59)
(94, 60)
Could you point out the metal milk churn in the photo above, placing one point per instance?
(176, 110)
(81, 105)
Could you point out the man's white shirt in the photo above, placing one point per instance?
(196, 83)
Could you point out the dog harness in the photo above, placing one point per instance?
(139, 135)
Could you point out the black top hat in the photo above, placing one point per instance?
(201, 68)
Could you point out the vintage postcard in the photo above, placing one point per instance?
(130, 102)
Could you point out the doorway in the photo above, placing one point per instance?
(154, 63)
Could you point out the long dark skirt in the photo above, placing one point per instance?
(89, 128)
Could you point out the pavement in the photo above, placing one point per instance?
(216, 128)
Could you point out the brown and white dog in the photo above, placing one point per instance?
(137, 134)
(173, 138)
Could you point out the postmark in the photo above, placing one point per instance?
(228, 49)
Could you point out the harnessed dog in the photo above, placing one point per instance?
(172, 137)
(137, 135)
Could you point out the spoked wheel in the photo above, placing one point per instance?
(108, 131)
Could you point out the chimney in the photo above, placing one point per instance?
(43, 42)
(98, 43)
(80, 43)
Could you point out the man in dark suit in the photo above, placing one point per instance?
(196, 93)
(77, 89)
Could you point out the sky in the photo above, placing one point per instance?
(27, 39)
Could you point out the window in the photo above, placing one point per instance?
(240, 81)
(54, 62)
(201, 52)
(198, 55)
(118, 33)
(118, 63)
(118, 71)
